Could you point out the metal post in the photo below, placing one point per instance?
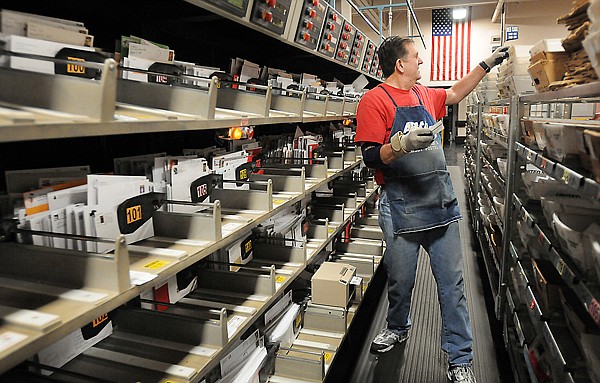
(478, 160)
(408, 21)
(503, 25)
(512, 173)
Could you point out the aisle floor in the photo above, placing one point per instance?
(421, 359)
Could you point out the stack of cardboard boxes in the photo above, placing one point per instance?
(579, 67)
(547, 63)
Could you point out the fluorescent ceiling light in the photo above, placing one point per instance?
(459, 13)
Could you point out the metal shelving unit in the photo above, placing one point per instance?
(65, 107)
(527, 319)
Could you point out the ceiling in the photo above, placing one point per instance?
(373, 15)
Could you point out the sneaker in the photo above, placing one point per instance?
(386, 340)
(462, 373)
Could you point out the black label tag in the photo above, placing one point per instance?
(170, 71)
(202, 187)
(242, 172)
(92, 329)
(247, 250)
(76, 55)
(134, 212)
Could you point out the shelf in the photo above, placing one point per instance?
(497, 138)
(587, 297)
(588, 124)
(573, 94)
(498, 102)
(115, 106)
(196, 250)
(585, 186)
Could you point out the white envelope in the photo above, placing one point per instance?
(89, 229)
(58, 223)
(62, 198)
(109, 195)
(70, 228)
(183, 174)
(99, 180)
(106, 225)
(162, 167)
(79, 229)
(40, 222)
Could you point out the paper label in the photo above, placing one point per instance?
(31, 318)
(229, 228)
(158, 264)
(83, 296)
(139, 277)
(10, 338)
(234, 323)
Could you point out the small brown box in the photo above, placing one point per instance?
(551, 56)
(331, 286)
(545, 72)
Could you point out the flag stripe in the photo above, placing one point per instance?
(469, 45)
(450, 41)
(456, 52)
(452, 45)
(444, 58)
(462, 48)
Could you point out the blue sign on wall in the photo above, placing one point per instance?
(512, 33)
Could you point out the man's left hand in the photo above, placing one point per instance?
(497, 57)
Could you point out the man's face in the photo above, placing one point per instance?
(411, 62)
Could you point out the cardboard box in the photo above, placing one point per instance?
(550, 56)
(331, 286)
(545, 72)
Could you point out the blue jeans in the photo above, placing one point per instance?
(445, 253)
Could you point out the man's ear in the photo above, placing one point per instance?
(399, 66)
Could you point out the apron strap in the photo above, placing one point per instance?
(394, 102)
(389, 95)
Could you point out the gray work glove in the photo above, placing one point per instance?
(419, 138)
(497, 57)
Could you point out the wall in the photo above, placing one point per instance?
(535, 19)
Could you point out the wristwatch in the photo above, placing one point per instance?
(485, 66)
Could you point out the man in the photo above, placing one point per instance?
(417, 205)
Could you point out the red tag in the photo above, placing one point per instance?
(595, 310)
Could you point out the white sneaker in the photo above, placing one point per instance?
(462, 373)
(386, 340)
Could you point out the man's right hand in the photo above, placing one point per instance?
(419, 138)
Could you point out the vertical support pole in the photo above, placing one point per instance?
(408, 20)
(478, 161)
(380, 9)
(512, 172)
(503, 25)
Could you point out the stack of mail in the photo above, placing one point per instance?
(513, 78)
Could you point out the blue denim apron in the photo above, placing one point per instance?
(418, 185)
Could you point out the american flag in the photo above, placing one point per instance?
(451, 45)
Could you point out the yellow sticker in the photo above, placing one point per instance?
(330, 230)
(328, 356)
(278, 201)
(566, 176)
(158, 264)
(279, 279)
